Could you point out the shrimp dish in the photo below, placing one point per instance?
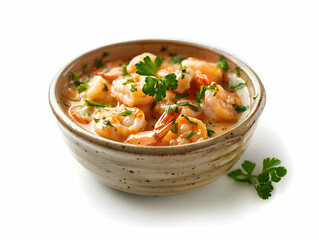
(161, 99)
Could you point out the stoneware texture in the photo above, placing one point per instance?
(157, 171)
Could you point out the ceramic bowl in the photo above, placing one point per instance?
(157, 171)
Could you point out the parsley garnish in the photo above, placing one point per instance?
(222, 64)
(85, 65)
(263, 181)
(111, 105)
(190, 106)
(106, 70)
(126, 113)
(191, 122)
(128, 81)
(240, 109)
(105, 87)
(99, 62)
(256, 96)
(84, 111)
(202, 90)
(155, 86)
(107, 122)
(210, 132)
(96, 120)
(176, 59)
(190, 135)
(74, 99)
(83, 86)
(237, 71)
(124, 70)
(97, 104)
(236, 84)
(174, 128)
(171, 107)
(133, 88)
(163, 49)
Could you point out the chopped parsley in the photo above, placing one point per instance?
(190, 106)
(124, 70)
(174, 128)
(133, 88)
(111, 105)
(163, 49)
(222, 64)
(127, 81)
(83, 86)
(83, 111)
(107, 123)
(256, 96)
(176, 59)
(191, 122)
(126, 113)
(190, 135)
(240, 109)
(84, 65)
(210, 132)
(236, 84)
(96, 120)
(97, 104)
(262, 182)
(237, 71)
(155, 85)
(105, 87)
(99, 62)
(74, 99)
(171, 107)
(202, 90)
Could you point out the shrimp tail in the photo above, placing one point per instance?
(162, 126)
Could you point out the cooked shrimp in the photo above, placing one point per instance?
(161, 128)
(217, 104)
(187, 130)
(204, 67)
(119, 122)
(128, 90)
(184, 80)
(139, 58)
(112, 74)
(82, 114)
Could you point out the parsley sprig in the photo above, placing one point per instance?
(155, 85)
(262, 182)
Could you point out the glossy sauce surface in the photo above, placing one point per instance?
(115, 99)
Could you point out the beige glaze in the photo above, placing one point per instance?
(157, 171)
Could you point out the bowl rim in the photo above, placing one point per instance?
(65, 121)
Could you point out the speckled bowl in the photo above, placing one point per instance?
(158, 171)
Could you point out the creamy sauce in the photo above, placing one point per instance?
(110, 101)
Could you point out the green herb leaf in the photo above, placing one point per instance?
(133, 88)
(75, 99)
(190, 106)
(175, 108)
(127, 81)
(170, 81)
(191, 122)
(85, 65)
(163, 49)
(97, 104)
(210, 132)
(240, 109)
(124, 70)
(99, 62)
(84, 111)
(126, 113)
(222, 64)
(76, 76)
(176, 59)
(236, 84)
(202, 90)
(105, 87)
(237, 71)
(96, 120)
(111, 105)
(82, 87)
(190, 135)
(108, 123)
(174, 128)
(263, 181)
(256, 96)
(148, 68)
(106, 70)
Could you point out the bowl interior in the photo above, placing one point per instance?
(133, 48)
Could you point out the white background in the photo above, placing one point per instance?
(47, 194)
